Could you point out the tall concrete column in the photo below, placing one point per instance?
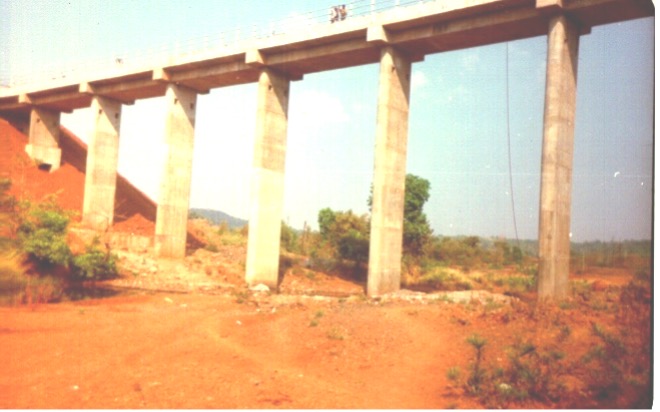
(557, 158)
(44, 139)
(267, 182)
(174, 195)
(101, 170)
(386, 242)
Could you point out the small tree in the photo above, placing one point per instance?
(289, 238)
(42, 234)
(416, 229)
(7, 213)
(352, 236)
(94, 264)
(347, 232)
(326, 219)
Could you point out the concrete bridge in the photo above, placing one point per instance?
(395, 38)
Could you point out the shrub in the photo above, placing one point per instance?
(234, 237)
(436, 278)
(42, 235)
(463, 252)
(520, 284)
(354, 246)
(478, 376)
(616, 367)
(94, 264)
(347, 233)
(442, 279)
(613, 372)
(8, 213)
(454, 373)
(12, 271)
(212, 247)
(289, 238)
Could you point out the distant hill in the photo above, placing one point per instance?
(217, 217)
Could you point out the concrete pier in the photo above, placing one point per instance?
(389, 173)
(102, 158)
(174, 195)
(557, 158)
(267, 184)
(44, 138)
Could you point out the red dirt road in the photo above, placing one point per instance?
(187, 351)
(243, 350)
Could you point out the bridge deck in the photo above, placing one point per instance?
(417, 30)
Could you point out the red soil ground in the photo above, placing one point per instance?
(235, 349)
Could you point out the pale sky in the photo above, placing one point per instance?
(458, 122)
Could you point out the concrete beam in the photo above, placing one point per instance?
(126, 88)
(557, 158)
(201, 72)
(12, 104)
(44, 138)
(267, 185)
(473, 31)
(58, 99)
(174, 194)
(254, 58)
(165, 76)
(385, 246)
(107, 91)
(378, 35)
(102, 159)
(202, 79)
(550, 4)
(49, 100)
(345, 53)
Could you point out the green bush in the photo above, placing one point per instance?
(289, 238)
(519, 284)
(12, 271)
(347, 233)
(94, 264)
(42, 235)
(354, 246)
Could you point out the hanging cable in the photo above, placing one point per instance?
(508, 138)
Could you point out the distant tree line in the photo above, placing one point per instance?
(345, 235)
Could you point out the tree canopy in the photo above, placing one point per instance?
(349, 233)
(416, 228)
